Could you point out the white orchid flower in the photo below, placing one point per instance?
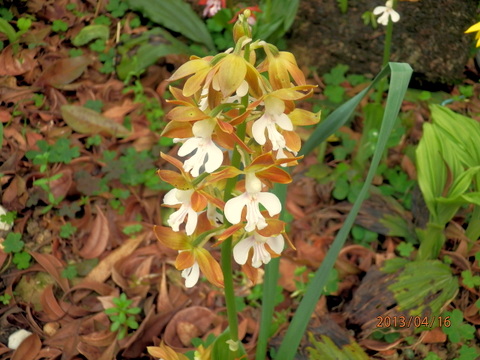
(207, 153)
(386, 12)
(274, 116)
(252, 198)
(183, 197)
(260, 253)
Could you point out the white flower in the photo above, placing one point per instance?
(274, 115)
(213, 216)
(15, 339)
(212, 7)
(239, 94)
(386, 12)
(251, 199)
(207, 153)
(175, 197)
(191, 275)
(260, 253)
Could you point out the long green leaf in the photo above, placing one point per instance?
(400, 77)
(277, 19)
(175, 15)
(149, 47)
(269, 287)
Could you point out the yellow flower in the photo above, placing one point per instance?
(165, 352)
(474, 28)
(281, 65)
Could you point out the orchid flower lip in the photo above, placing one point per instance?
(191, 275)
(176, 197)
(206, 153)
(260, 254)
(252, 199)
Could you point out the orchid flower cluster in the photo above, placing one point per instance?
(235, 123)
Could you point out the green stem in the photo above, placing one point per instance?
(226, 260)
(386, 56)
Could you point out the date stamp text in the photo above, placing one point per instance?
(415, 321)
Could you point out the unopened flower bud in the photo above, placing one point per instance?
(242, 27)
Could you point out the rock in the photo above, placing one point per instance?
(429, 36)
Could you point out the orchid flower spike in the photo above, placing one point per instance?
(386, 12)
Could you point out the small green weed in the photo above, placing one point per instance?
(363, 236)
(470, 280)
(5, 299)
(67, 230)
(96, 105)
(117, 8)
(405, 249)
(386, 335)
(151, 107)
(70, 272)
(122, 316)
(59, 26)
(9, 217)
(458, 331)
(75, 52)
(13, 244)
(59, 152)
(132, 229)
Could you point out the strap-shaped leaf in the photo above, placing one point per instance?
(400, 78)
(175, 15)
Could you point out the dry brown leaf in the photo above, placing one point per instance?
(53, 266)
(50, 305)
(134, 267)
(434, 336)
(64, 71)
(28, 349)
(66, 339)
(12, 63)
(62, 185)
(97, 241)
(187, 324)
(87, 121)
(103, 270)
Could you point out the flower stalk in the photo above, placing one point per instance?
(388, 17)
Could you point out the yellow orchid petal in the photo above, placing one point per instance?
(175, 179)
(231, 74)
(302, 117)
(186, 114)
(184, 260)
(210, 267)
(171, 239)
(176, 129)
(189, 68)
(278, 74)
(275, 174)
